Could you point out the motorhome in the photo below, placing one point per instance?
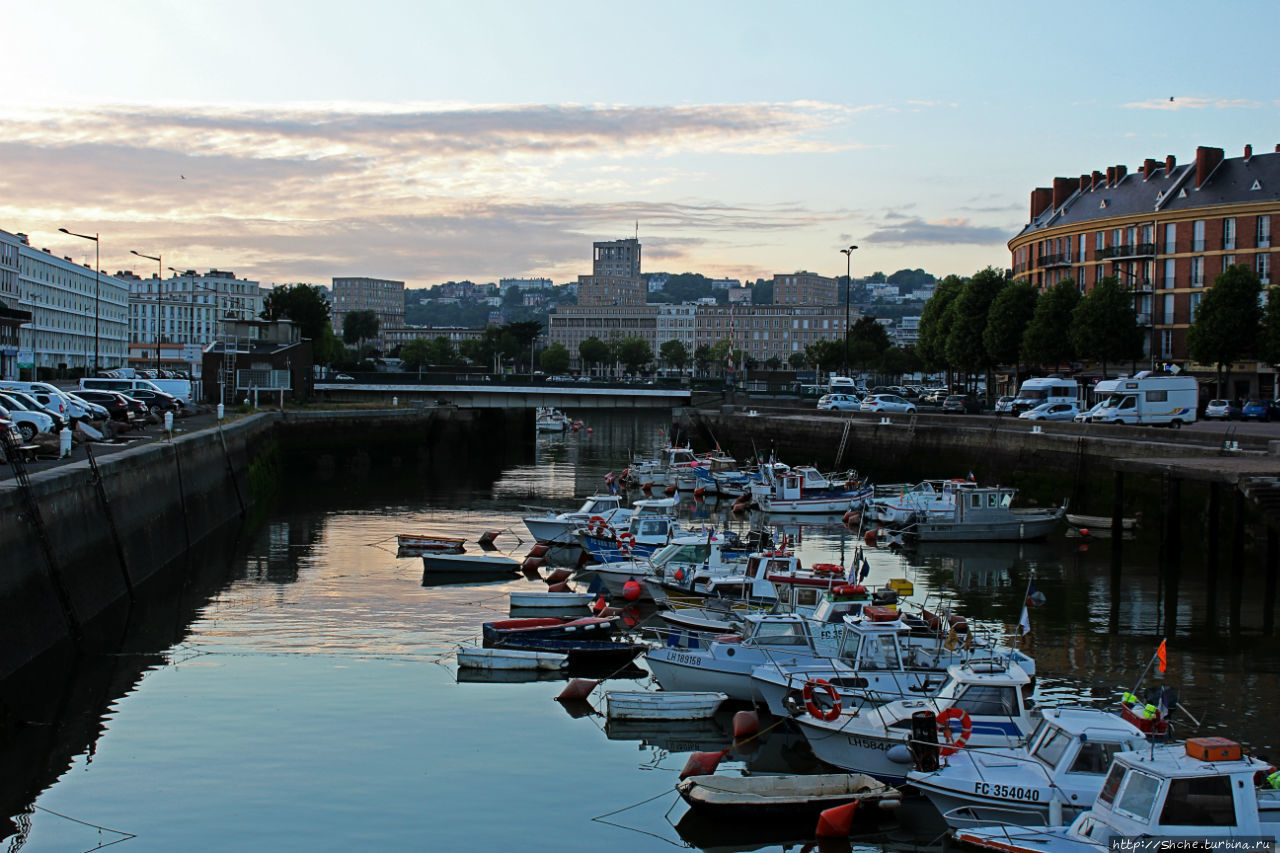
(1051, 389)
(1147, 399)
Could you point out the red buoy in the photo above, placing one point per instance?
(745, 723)
(670, 490)
(559, 587)
(539, 550)
(870, 538)
(836, 822)
(1084, 531)
(631, 590)
(532, 563)
(577, 689)
(559, 576)
(599, 606)
(701, 764)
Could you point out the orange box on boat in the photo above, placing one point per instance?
(1213, 749)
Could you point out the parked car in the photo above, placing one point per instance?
(29, 421)
(886, 403)
(1225, 410)
(1004, 406)
(157, 402)
(1087, 415)
(344, 377)
(1260, 410)
(9, 428)
(965, 404)
(116, 404)
(839, 403)
(94, 411)
(1051, 412)
(57, 410)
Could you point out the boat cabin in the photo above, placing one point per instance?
(599, 505)
(1204, 787)
(1080, 741)
(655, 506)
(783, 631)
(979, 502)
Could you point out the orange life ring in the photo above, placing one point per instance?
(944, 728)
(595, 521)
(626, 541)
(812, 706)
(828, 569)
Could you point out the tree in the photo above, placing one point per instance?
(1007, 321)
(797, 360)
(414, 353)
(866, 330)
(674, 353)
(593, 351)
(304, 304)
(773, 363)
(634, 353)
(1269, 331)
(824, 354)
(555, 358)
(1047, 339)
(359, 326)
(1225, 327)
(1104, 326)
(894, 362)
(964, 347)
(719, 354)
(935, 323)
(521, 338)
(702, 358)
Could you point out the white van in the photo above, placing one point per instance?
(180, 388)
(1147, 399)
(1037, 390)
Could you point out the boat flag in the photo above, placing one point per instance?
(971, 477)
(866, 569)
(1160, 655)
(1162, 704)
(1025, 622)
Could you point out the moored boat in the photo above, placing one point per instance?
(507, 632)
(509, 659)
(986, 514)
(1099, 522)
(772, 797)
(416, 544)
(662, 704)
(466, 564)
(549, 600)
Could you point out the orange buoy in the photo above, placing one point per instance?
(836, 822)
(745, 723)
(559, 576)
(670, 490)
(539, 550)
(870, 538)
(559, 587)
(599, 606)
(576, 689)
(701, 764)
(631, 590)
(699, 492)
(1084, 531)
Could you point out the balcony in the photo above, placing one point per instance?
(1063, 259)
(1134, 250)
(1144, 319)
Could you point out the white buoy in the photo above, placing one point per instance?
(1055, 811)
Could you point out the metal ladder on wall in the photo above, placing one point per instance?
(844, 440)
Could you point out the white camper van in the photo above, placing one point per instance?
(1051, 389)
(1147, 399)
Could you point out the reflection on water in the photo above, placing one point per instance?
(302, 694)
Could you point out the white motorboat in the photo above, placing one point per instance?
(559, 527)
(548, 419)
(651, 525)
(1064, 761)
(663, 470)
(711, 550)
(986, 514)
(756, 798)
(473, 657)
(896, 505)
(806, 490)
(982, 704)
(1204, 789)
(662, 704)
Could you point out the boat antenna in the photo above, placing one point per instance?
(1154, 657)
(1024, 624)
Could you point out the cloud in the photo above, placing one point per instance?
(949, 231)
(1196, 103)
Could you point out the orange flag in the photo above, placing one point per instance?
(1160, 655)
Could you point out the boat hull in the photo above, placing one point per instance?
(662, 705)
(510, 659)
(756, 798)
(1019, 529)
(457, 564)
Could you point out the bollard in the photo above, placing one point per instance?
(64, 443)
(221, 411)
(395, 401)
(168, 421)
(1036, 429)
(884, 420)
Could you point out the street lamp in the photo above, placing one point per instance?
(97, 288)
(159, 276)
(848, 282)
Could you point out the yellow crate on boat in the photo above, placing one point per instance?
(901, 586)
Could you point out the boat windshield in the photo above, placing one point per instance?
(988, 700)
(849, 646)
(1138, 795)
(683, 554)
(880, 652)
(1052, 746)
(788, 633)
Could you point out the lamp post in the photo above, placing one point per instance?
(848, 282)
(97, 288)
(159, 276)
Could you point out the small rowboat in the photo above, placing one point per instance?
(772, 797)
(550, 600)
(662, 704)
(510, 631)
(509, 659)
(490, 564)
(1099, 522)
(416, 544)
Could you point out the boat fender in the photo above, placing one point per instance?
(559, 587)
(900, 754)
(870, 538)
(599, 606)
(539, 550)
(702, 764)
(836, 822)
(559, 576)
(745, 724)
(577, 689)
(531, 564)
(631, 590)
(812, 706)
(954, 743)
(670, 490)
(889, 803)
(679, 575)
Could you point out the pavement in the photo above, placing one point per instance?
(134, 438)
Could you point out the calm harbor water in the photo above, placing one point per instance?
(313, 702)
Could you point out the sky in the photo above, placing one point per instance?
(432, 141)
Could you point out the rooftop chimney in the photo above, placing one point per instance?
(1111, 176)
(1169, 163)
(1121, 171)
(1097, 176)
(1207, 159)
(1148, 166)
(1248, 152)
(1061, 191)
(1084, 183)
(1041, 198)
